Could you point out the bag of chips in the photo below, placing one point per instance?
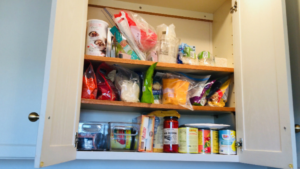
(219, 98)
(147, 96)
(175, 90)
(89, 84)
(106, 89)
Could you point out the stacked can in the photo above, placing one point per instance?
(188, 140)
(208, 142)
(227, 142)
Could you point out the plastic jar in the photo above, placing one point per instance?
(171, 134)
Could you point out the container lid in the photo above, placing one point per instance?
(171, 117)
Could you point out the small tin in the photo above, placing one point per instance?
(227, 142)
(208, 141)
(188, 140)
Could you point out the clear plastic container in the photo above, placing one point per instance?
(124, 136)
(93, 136)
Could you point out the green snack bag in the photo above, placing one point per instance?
(147, 96)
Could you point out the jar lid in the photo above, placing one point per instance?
(171, 117)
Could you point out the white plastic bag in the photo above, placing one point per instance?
(167, 43)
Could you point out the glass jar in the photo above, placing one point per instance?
(171, 134)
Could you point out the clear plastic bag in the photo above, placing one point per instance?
(176, 90)
(196, 90)
(206, 58)
(128, 84)
(167, 43)
(187, 55)
(139, 34)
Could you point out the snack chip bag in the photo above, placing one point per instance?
(219, 98)
(106, 89)
(89, 84)
(147, 96)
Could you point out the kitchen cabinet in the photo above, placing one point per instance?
(257, 49)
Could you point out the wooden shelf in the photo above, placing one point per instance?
(143, 65)
(104, 155)
(106, 105)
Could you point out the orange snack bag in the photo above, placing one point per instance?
(175, 91)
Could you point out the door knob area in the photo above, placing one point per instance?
(33, 117)
(297, 128)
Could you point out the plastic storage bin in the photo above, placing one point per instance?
(124, 136)
(93, 136)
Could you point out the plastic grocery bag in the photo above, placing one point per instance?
(167, 44)
(175, 90)
(127, 83)
(219, 98)
(140, 35)
(89, 84)
(147, 96)
(106, 88)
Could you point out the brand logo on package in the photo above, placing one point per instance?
(225, 136)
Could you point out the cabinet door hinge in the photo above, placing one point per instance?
(234, 8)
(76, 140)
(239, 144)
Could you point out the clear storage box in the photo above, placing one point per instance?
(93, 136)
(124, 136)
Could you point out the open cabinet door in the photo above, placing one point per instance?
(62, 83)
(264, 105)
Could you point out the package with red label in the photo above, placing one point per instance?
(89, 84)
(106, 88)
(146, 132)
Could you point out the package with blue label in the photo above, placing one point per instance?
(187, 54)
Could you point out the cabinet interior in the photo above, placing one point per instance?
(214, 36)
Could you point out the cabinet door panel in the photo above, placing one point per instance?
(264, 109)
(62, 83)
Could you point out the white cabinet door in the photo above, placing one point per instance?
(293, 19)
(62, 83)
(264, 104)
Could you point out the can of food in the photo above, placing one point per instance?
(208, 142)
(188, 140)
(214, 141)
(227, 142)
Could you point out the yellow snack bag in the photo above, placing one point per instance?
(175, 91)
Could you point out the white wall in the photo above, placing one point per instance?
(23, 41)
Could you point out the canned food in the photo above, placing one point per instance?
(188, 140)
(227, 142)
(208, 141)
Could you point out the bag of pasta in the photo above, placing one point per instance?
(176, 90)
(219, 98)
